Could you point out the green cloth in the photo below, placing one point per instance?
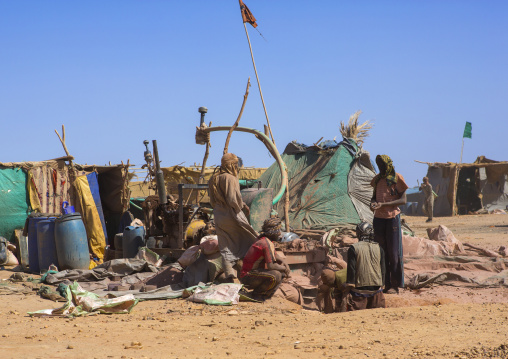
(13, 197)
(318, 182)
(467, 130)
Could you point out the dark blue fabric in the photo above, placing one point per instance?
(388, 234)
(94, 188)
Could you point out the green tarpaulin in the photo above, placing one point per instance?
(329, 185)
(13, 198)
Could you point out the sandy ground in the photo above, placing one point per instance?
(440, 322)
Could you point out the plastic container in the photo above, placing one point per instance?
(71, 242)
(66, 208)
(33, 248)
(133, 238)
(46, 244)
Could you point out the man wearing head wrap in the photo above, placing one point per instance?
(389, 192)
(428, 204)
(360, 285)
(235, 235)
(263, 269)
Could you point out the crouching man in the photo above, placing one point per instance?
(360, 285)
(365, 271)
(263, 269)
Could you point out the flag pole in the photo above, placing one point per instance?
(462, 150)
(456, 181)
(286, 206)
(259, 85)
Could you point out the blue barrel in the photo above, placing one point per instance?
(71, 242)
(133, 238)
(46, 243)
(33, 249)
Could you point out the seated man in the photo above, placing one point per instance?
(263, 269)
(365, 271)
(360, 286)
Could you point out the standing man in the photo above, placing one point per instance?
(428, 204)
(263, 269)
(389, 192)
(234, 233)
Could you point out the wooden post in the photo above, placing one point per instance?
(235, 125)
(286, 207)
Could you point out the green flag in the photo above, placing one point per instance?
(467, 130)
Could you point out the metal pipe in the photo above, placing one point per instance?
(202, 111)
(271, 147)
(159, 176)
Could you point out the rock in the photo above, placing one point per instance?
(233, 312)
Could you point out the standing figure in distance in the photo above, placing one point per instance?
(389, 192)
(428, 204)
(234, 233)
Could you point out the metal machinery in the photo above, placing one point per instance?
(167, 219)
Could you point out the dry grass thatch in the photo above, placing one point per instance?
(354, 130)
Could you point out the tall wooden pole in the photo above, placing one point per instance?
(456, 182)
(286, 205)
(462, 150)
(259, 85)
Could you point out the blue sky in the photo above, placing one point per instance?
(119, 72)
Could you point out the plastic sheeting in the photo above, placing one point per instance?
(90, 215)
(13, 200)
(81, 302)
(328, 187)
(94, 189)
(220, 294)
(359, 188)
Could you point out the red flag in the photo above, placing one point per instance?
(247, 15)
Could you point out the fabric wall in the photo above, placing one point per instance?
(440, 180)
(494, 187)
(320, 197)
(90, 216)
(94, 189)
(14, 206)
(51, 184)
(359, 188)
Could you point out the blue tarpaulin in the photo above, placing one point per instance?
(94, 188)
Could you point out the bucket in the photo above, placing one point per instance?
(133, 238)
(71, 242)
(33, 248)
(66, 208)
(46, 243)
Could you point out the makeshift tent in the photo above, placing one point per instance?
(329, 185)
(43, 186)
(479, 185)
(31, 186)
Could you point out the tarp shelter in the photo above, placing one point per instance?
(329, 185)
(43, 186)
(479, 185)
